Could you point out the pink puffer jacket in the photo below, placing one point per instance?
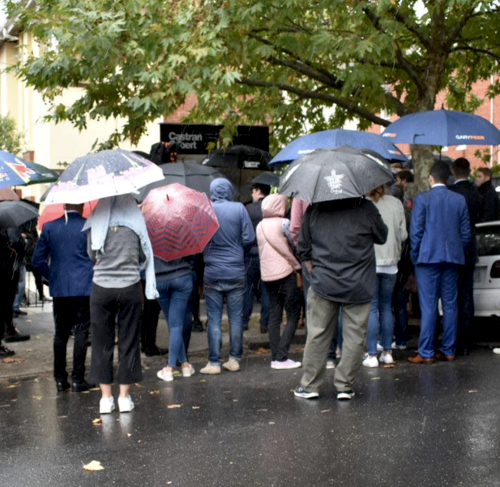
(276, 258)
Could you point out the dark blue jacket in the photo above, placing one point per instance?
(224, 254)
(440, 228)
(61, 257)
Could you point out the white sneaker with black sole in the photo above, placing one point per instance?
(305, 394)
(345, 395)
(386, 358)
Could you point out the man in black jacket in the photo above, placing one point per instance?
(461, 172)
(336, 245)
(252, 263)
(491, 203)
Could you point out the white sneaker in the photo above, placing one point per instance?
(345, 395)
(211, 369)
(165, 375)
(330, 364)
(370, 361)
(286, 365)
(380, 348)
(398, 347)
(496, 350)
(386, 358)
(232, 365)
(188, 371)
(106, 405)
(125, 404)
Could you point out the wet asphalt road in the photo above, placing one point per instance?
(407, 426)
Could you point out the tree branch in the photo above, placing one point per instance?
(476, 50)
(319, 96)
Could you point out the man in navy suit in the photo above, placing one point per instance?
(439, 234)
(61, 257)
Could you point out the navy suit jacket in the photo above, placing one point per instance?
(61, 257)
(440, 227)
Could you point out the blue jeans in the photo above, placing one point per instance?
(400, 302)
(174, 297)
(20, 289)
(215, 292)
(437, 281)
(381, 319)
(254, 284)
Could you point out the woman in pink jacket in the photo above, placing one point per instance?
(278, 269)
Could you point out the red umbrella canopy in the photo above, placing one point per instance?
(180, 221)
(53, 212)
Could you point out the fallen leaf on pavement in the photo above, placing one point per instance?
(325, 411)
(272, 422)
(97, 421)
(235, 400)
(177, 374)
(38, 398)
(5, 406)
(262, 410)
(62, 417)
(388, 366)
(174, 406)
(13, 386)
(154, 392)
(472, 391)
(375, 378)
(262, 350)
(196, 407)
(14, 360)
(93, 466)
(95, 389)
(129, 435)
(203, 380)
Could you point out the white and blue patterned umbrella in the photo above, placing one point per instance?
(103, 174)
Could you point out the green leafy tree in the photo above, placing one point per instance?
(299, 66)
(10, 138)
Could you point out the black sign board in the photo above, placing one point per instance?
(194, 138)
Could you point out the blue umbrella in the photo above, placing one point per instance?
(328, 139)
(442, 127)
(15, 171)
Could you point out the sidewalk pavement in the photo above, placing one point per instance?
(35, 356)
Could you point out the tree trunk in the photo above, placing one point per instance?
(423, 160)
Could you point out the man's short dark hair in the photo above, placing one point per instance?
(405, 175)
(263, 188)
(461, 168)
(440, 171)
(486, 172)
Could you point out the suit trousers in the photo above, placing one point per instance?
(437, 281)
(111, 309)
(465, 304)
(322, 320)
(71, 313)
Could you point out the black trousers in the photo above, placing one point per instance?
(8, 286)
(110, 309)
(72, 313)
(283, 293)
(149, 324)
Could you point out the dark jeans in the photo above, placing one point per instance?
(283, 293)
(254, 285)
(71, 313)
(465, 305)
(215, 292)
(8, 289)
(400, 304)
(174, 297)
(111, 308)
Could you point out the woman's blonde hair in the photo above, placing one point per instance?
(377, 193)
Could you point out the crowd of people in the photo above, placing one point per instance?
(350, 265)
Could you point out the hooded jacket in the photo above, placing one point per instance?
(224, 254)
(276, 258)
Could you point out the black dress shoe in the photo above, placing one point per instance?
(15, 336)
(80, 386)
(152, 352)
(5, 352)
(198, 326)
(62, 385)
(19, 313)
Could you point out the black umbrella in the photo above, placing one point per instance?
(335, 174)
(189, 174)
(239, 157)
(15, 213)
(267, 178)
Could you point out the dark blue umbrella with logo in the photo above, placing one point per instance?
(442, 127)
(328, 139)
